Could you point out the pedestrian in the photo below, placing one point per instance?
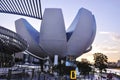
(109, 76)
(96, 76)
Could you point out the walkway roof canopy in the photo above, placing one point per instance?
(30, 8)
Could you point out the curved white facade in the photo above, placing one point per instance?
(29, 34)
(84, 29)
(53, 39)
(52, 33)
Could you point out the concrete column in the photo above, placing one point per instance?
(56, 60)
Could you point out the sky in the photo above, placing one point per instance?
(107, 16)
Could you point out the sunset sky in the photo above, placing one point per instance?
(107, 15)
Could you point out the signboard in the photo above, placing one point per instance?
(73, 75)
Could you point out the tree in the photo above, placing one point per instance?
(84, 68)
(62, 69)
(6, 60)
(100, 61)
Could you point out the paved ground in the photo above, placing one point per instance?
(50, 77)
(96, 77)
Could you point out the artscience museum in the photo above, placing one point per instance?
(53, 39)
(52, 49)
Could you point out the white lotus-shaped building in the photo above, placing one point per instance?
(53, 39)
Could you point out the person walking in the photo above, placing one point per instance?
(109, 76)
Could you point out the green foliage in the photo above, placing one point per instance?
(62, 69)
(18, 60)
(55, 68)
(84, 67)
(6, 60)
(100, 61)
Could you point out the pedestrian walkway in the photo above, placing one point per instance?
(104, 77)
(96, 76)
(43, 76)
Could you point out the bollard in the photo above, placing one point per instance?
(39, 73)
(32, 74)
(9, 74)
(23, 74)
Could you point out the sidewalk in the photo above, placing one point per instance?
(104, 77)
(97, 77)
(51, 77)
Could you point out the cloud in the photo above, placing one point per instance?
(111, 51)
(106, 49)
(102, 32)
(108, 44)
(114, 36)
